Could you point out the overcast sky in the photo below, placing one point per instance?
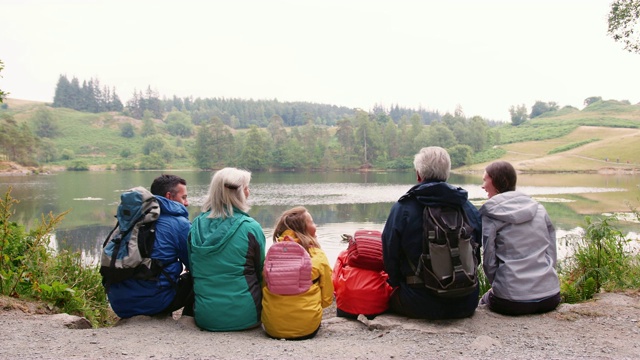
(482, 55)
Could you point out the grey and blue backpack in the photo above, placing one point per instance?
(126, 252)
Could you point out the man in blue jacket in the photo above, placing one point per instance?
(174, 288)
(402, 239)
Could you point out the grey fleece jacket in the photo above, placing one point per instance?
(519, 243)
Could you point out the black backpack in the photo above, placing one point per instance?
(126, 252)
(448, 265)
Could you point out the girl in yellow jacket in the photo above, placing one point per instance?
(298, 317)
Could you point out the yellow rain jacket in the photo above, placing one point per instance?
(292, 316)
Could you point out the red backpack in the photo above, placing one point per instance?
(365, 250)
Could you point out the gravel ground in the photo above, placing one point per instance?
(606, 328)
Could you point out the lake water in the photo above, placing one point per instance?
(339, 202)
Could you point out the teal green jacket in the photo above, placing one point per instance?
(226, 257)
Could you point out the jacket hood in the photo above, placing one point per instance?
(437, 193)
(513, 207)
(215, 233)
(171, 207)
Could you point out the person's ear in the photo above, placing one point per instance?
(418, 177)
(168, 195)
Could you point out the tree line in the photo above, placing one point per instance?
(235, 113)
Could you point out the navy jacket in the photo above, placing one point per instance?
(402, 241)
(141, 297)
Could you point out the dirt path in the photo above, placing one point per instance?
(605, 328)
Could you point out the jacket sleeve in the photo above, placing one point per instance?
(489, 261)
(182, 238)
(259, 252)
(391, 251)
(552, 249)
(325, 282)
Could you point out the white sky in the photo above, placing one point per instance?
(482, 55)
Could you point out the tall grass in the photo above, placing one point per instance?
(600, 260)
(29, 269)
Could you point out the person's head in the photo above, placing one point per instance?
(172, 187)
(432, 163)
(229, 189)
(499, 177)
(299, 221)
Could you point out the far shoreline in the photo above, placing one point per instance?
(9, 168)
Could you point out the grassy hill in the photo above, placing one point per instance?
(603, 137)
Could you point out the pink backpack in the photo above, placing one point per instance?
(287, 268)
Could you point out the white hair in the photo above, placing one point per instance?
(226, 192)
(432, 163)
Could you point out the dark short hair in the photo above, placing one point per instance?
(503, 176)
(166, 183)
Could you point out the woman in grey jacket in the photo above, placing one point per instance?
(519, 243)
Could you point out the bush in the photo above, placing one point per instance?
(29, 269)
(67, 154)
(78, 165)
(126, 165)
(600, 261)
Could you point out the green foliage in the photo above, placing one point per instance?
(29, 269)
(125, 153)
(483, 281)
(17, 142)
(518, 114)
(600, 260)
(152, 162)
(488, 155)
(541, 107)
(253, 153)
(67, 154)
(127, 130)
(592, 99)
(153, 144)
(610, 106)
(46, 151)
(45, 124)
(400, 163)
(126, 165)
(532, 131)
(148, 127)
(3, 94)
(78, 165)
(179, 124)
(571, 146)
(623, 24)
(460, 155)
(89, 97)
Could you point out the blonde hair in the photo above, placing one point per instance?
(432, 163)
(226, 192)
(295, 219)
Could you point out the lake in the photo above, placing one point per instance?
(339, 202)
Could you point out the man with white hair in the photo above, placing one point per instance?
(402, 240)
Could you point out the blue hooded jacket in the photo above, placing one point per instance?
(402, 240)
(144, 297)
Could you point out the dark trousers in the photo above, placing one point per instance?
(184, 298)
(508, 307)
(418, 303)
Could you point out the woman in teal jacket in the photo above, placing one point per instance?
(226, 252)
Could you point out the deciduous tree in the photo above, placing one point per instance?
(623, 22)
